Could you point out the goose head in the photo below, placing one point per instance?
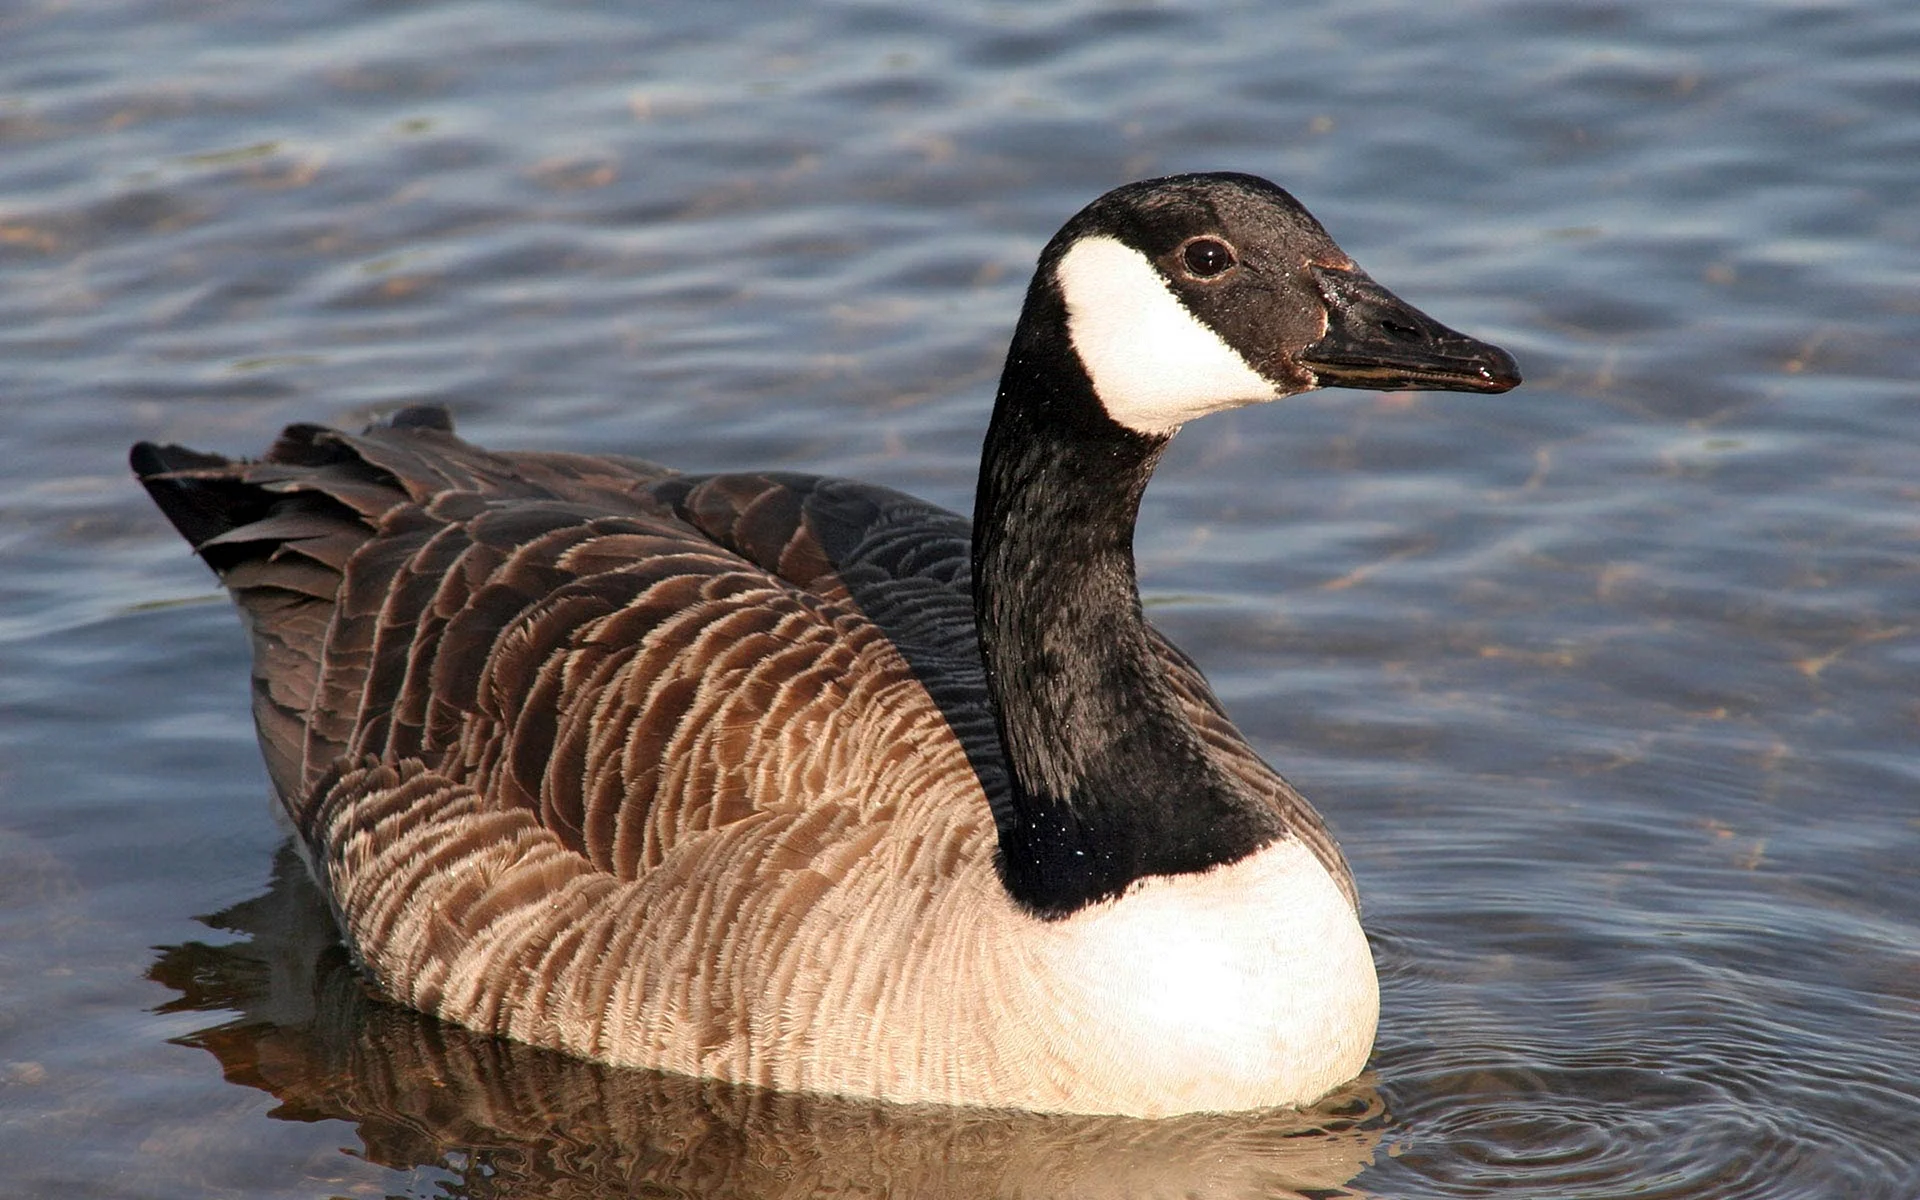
(1188, 295)
(1160, 302)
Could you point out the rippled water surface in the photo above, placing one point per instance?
(1608, 685)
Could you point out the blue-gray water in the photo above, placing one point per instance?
(1608, 684)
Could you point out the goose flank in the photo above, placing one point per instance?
(801, 782)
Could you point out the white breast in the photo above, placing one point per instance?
(1245, 986)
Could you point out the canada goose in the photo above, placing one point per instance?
(795, 781)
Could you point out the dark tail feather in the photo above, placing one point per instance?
(314, 482)
(198, 492)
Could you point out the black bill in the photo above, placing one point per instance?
(1379, 342)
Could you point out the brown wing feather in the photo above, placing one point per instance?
(633, 656)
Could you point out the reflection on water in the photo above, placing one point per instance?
(504, 1119)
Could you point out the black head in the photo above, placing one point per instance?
(1190, 294)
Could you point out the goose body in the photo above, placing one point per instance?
(801, 782)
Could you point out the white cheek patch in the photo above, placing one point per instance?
(1154, 365)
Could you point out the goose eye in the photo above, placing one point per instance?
(1206, 257)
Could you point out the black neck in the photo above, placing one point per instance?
(1109, 780)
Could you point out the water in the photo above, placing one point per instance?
(1606, 684)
